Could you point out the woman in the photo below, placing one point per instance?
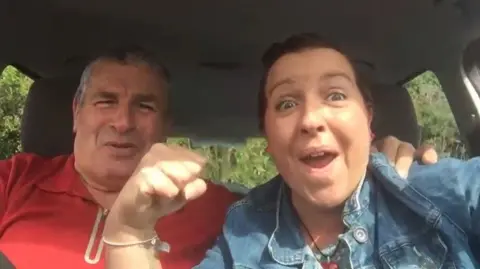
(334, 204)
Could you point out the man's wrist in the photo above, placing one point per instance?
(149, 240)
(117, 232)
(128, 236)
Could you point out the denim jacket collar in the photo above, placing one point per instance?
(355, 205)
(286, 244)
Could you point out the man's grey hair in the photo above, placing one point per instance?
(129, 55)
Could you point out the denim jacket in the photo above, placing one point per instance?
(430, 220)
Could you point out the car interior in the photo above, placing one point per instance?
(213, 51)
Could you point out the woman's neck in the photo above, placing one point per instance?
(322, 226)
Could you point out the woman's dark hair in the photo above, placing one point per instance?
(294, 44)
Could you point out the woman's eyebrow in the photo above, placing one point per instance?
(336, 74)
(278, 84)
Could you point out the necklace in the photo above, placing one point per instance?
(328, 264)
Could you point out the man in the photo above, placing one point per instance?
(52, 211)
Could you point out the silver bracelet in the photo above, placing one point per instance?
(155, 242)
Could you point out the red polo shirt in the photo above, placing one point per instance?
(47, 217)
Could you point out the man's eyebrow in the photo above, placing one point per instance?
(278, 84)
(145, 97)
(104, 94)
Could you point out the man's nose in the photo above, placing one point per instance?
(124, 120)
(313, 119)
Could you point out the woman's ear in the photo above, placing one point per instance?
(370, 120)
(267, 147)
(370, 114)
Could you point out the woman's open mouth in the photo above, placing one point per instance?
(318, 159)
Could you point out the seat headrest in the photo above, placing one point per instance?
(394, 114)
(47, 125)
(47, 122)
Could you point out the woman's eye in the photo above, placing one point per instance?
(336, 96)
(284, 105)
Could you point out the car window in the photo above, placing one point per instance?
(247, 164)
(14, 87)
(438, 126)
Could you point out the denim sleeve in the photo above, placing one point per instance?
(217, 257)
(454, 187)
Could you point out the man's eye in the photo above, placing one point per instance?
(284, 105)
(105, 102)
(336, 96)
(147, 107)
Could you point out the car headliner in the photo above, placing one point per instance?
(213, 47)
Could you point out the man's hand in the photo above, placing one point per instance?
(402, 154)
(166, 178)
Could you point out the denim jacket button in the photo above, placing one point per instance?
(360, 234)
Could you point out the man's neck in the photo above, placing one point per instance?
(103, 199)
(103, 195)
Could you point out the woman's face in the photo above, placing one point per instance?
(317, 125)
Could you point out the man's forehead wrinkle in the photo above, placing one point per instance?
(131, 79)
(112, 83)
(132, 96)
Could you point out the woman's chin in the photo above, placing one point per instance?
(321, 201)
(329, 198)
(326, 193)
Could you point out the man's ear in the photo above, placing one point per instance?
(166, 128)
(75, 107)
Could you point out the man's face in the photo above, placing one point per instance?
(121, 115)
